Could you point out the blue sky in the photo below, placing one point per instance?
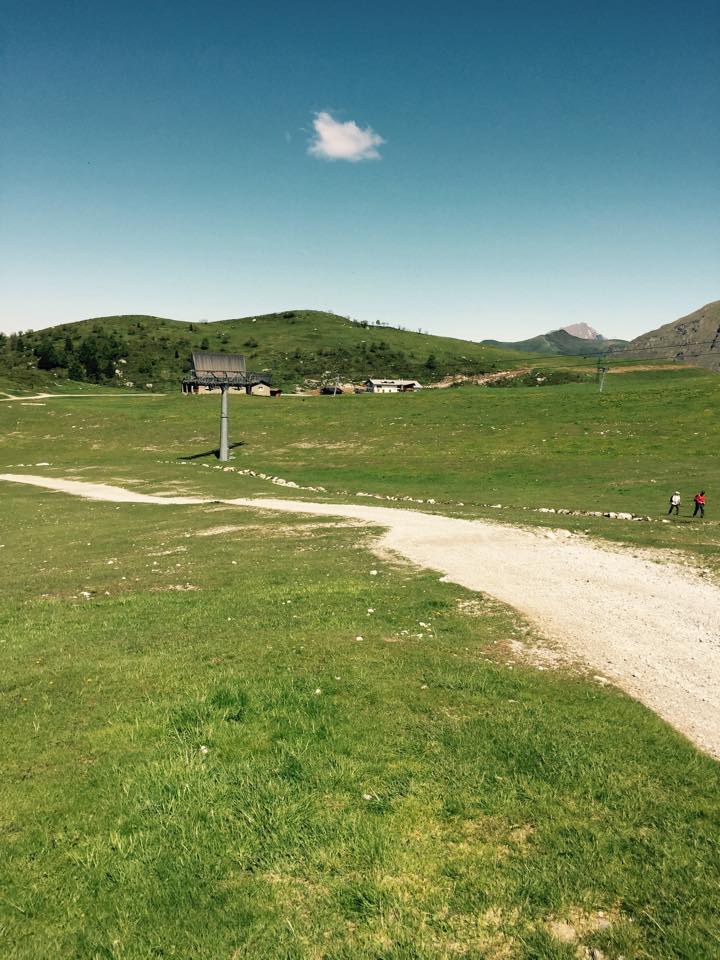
(530, 164)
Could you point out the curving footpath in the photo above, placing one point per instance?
(652, 628)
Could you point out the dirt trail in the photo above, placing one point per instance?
(478, 379)
(9, 397)
(654, 629)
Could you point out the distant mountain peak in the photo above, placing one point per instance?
(583, 331)
(563, 342)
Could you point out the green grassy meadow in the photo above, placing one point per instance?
(224, 736)
(568, 446)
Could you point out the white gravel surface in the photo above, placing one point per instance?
(652, 627)
(9, 397)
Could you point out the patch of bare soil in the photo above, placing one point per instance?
(271, 531)
(319, 445)
(179, 587)
(480, 379)
(538, 655)
(652, 628)
(579, 924)
(653, 366)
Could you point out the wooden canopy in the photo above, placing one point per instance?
(221, 370)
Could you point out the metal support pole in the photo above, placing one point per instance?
(224, 450)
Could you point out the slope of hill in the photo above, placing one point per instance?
(298, 346)
(560, 342)
(692, 339)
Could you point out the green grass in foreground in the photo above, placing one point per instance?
(226, 770)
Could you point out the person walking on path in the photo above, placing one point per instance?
(700, 504)
(675, 504)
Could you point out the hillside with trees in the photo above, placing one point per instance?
(300, 347)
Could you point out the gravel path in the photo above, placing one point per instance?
(9, 397)
(652, 628)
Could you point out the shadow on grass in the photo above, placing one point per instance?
(212, 453)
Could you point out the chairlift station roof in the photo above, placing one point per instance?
(222, 369)
(218, 364)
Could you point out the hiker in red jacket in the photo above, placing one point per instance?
(700, 504)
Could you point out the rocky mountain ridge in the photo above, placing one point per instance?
(694, 338)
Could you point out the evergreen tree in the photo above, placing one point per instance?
(76, 371)
(99, 356)
(88, 357)
(48, 356)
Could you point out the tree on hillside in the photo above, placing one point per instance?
(48, 356)
(204, 344)
(431, 362)
(88, 357)
(69, 348)
(99, 356)
(76, 371)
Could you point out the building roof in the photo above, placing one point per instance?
(222, 370)
(219, 365)
(394, 383)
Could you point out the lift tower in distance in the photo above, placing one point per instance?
(223, 371)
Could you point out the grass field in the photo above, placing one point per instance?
(249, 745)
(568, 446)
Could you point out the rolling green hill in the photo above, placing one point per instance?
(298, 346)
(559, 342)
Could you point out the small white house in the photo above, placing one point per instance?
(263, 390)
(392, 386)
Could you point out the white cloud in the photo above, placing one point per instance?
(334, 140)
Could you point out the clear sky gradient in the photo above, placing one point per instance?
(541, 163)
